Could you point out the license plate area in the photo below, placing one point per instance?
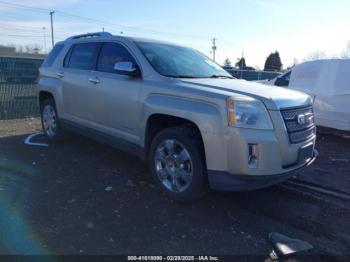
(305, 153)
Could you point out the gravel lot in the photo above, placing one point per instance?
(82, 197)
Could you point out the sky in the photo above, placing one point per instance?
(297, 29)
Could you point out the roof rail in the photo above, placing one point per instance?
(89, 35)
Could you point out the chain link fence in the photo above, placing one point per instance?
(18, 89)
(251, 75)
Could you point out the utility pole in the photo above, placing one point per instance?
(44, 29)
(214, 47)
(52, 37)
(242, 68)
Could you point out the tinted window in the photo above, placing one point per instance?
(66, 59)
(110, 54)
(287, 76)
(53, 55)
(83, 56)
(283, 80)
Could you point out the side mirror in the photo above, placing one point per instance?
(126, 68)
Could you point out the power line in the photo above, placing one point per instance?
(26, 16)
(230, 44)
(27, 28)
(52, 36)
(126, 26)
(15, 17)
(28, 33)
(103, 22)
(21, 35)
(11, 28)
(214, 47)
(25, 6)
(88, 20)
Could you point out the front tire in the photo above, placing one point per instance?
(177, 163)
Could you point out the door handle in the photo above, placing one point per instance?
(94, 80)
(60, 74)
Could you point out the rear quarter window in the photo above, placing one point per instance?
(50, 59)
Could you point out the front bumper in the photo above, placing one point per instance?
(225, 181)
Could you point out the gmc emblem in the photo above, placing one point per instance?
(301, 119)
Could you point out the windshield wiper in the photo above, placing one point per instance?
(180, 76)
(187, 76)
(221, 76)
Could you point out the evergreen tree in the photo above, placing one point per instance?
(241, 63)
(227, 63)
(273, 62)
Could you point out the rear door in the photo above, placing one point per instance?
(79, 65)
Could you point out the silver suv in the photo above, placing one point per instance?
(192, 122)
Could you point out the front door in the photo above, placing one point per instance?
(115, 98)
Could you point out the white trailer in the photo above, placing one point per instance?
(328, 82)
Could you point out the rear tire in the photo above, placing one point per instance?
(50, 121)
(177, 163)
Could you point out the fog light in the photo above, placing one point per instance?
(253, 155)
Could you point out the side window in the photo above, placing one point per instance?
(53, 55)
(287, 76)
(283, 80)
(67, 57)
(110, 54)
(83, 56)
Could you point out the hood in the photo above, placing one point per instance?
(274, 98)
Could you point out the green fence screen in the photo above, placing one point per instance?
(18, 89)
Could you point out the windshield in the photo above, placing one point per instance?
(183, 62)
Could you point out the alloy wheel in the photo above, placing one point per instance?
(173, 165)
(49, 120)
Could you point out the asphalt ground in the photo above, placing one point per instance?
(332, 169)
(83, 197)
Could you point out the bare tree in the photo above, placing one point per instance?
(295, 61)
(32, 49)
(346, 52)
(28, 49)
(257, 67)
(317, 55)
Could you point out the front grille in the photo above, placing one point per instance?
(300, 124)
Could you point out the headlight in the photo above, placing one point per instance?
(247, 112)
